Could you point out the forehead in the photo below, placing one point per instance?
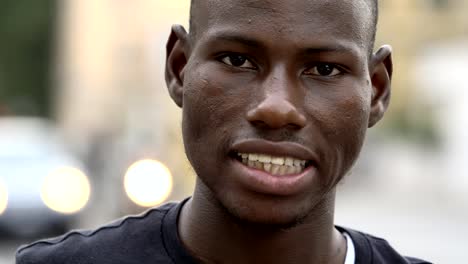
(292, 20)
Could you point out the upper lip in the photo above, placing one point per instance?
(281, 149)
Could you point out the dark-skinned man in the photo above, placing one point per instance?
(276, 98)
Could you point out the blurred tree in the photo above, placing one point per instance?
(26, 37)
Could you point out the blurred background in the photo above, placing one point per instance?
(88, 132)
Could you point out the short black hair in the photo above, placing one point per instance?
(374, 12)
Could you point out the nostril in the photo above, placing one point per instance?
(277, 110)
(294, 126)
(259, 124)
(276, 117)
(301, 121)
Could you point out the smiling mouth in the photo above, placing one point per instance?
(274, 165)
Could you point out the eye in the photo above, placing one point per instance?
(323, 69)
(237, 60)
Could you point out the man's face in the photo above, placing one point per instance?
(276, 102)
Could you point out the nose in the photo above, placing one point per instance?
(276, 109)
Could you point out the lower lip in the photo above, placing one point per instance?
(266, 183)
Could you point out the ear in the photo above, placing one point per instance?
(176, 60)
(381, 70)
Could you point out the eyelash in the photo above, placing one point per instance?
(334, 67)
(230, 56)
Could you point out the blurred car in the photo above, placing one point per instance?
(42, 186)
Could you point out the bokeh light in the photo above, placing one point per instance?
(148, 183)
(66, 190)
(3, 198)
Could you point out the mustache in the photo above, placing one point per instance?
(274, 135)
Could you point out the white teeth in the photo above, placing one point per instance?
(264, 158)
(273, 165)
(253, 157)
(275, 169)
(297, 170)
(282, 170)
(277, 161)
(291, 170)
(288, 161)
(258, 165)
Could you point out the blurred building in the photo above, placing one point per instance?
(27, 36)
(430, 40)
(111, 98)
(112, 102)
(409, 26)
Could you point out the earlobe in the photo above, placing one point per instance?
(176, 60)
(381, 70)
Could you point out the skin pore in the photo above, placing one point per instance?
(291, 79)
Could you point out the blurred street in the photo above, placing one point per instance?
(7, 251)
(416, 226)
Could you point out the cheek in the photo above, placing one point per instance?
(211, 109)
(343, 121)
(352, 117)
(351, 128)
(341, 114)
(214, 99)
(201, 100)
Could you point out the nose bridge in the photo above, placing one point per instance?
(278, 106)
(279, 89)
(278, 85)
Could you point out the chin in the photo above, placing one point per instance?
(266, 212)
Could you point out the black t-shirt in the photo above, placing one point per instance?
(153, 238)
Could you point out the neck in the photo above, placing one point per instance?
(213, 236)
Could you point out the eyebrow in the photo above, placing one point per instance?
(319, 49)
(239, 39)
(338, 48)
